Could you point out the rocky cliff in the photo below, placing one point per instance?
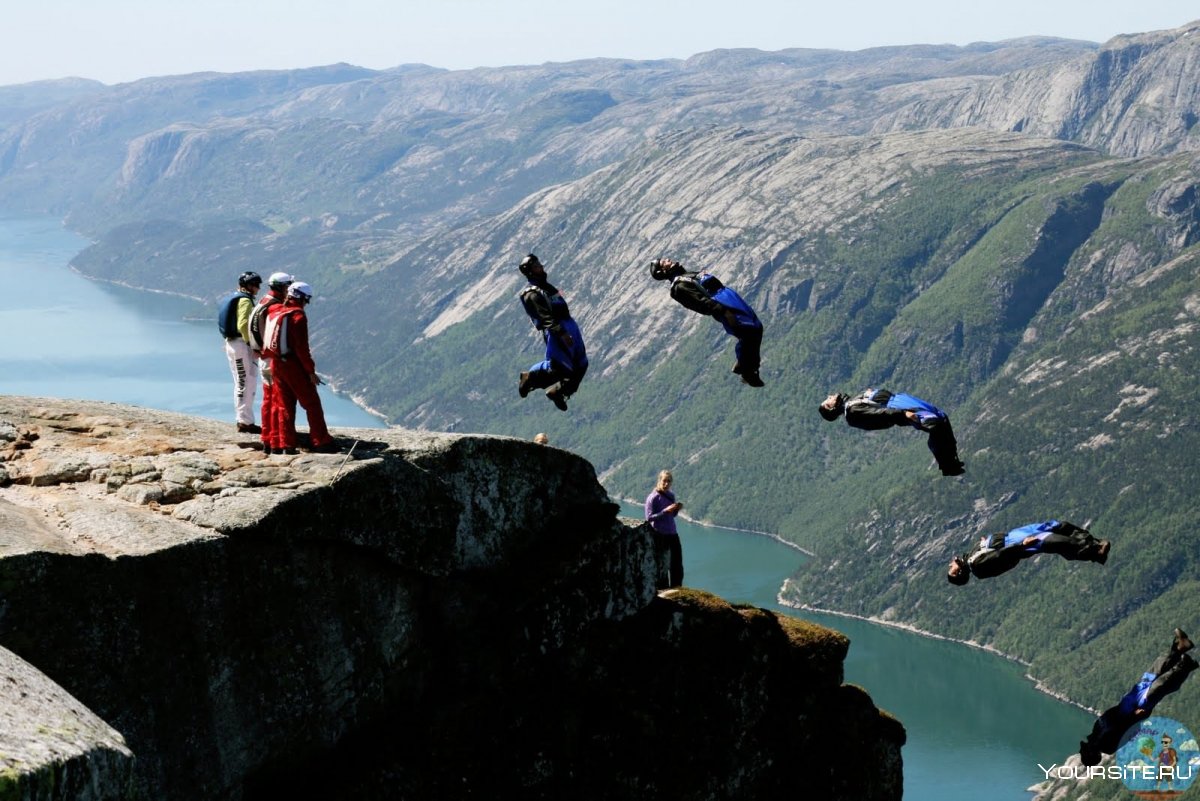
(432, 616)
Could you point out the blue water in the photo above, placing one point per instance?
(976, 729)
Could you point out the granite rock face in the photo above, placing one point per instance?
(51, 746)
(440, 613)
(1135, 96)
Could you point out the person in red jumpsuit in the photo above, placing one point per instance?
(277, 293)
(294, 373)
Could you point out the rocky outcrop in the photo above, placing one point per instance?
(51, 746)
(433, 615)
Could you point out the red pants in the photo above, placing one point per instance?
(268, 412)
(293, 384)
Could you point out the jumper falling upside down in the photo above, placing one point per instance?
(566, 359)
(873, 409)
(1164, 677)
(704, 294)
(998, 553)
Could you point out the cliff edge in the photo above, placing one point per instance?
(433, 616)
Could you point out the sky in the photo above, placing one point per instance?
(116, 41)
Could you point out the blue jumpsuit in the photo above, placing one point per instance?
(563, 364)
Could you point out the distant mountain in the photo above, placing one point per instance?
(1006, 229)
(20, 101)
(418, 148)
(1135, 96)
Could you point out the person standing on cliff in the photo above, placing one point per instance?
(704, 294)
(661, 509)
(233, 320)
(566, 360)
(277, 285)
(998, 553)
(294, 373)
(874, 409)
(1164, 677)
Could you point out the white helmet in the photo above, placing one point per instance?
(300, 290)
(280, 280)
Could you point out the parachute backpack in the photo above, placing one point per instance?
(279, 282)
(258, 323)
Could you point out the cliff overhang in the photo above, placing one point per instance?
(431, 614)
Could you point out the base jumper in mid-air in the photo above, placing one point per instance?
(1164, 677)
(999, 553)
(873, 409)
(566, 359)
(703, 293)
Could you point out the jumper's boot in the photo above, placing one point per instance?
(557, 396)
(751, 377)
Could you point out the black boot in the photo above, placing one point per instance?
(557, 396)
(1182, 643)
(751, 377)
(524, 385)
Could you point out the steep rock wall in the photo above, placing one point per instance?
(439, 613)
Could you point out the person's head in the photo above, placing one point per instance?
(250, 282)
(832, 407)
(959, 572)
(665, 479)
(662, 269)
(541, 439)
(300, 293)
(1166, 741)
(279, 282)
(531, 267)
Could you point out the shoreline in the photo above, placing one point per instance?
(360, 403)
(911, 629)
(707, 524)
(123, 285)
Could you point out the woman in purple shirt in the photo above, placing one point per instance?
(661, 508)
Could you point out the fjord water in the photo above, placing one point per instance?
(976, 728)
(64, 336)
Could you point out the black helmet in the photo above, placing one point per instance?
(249, 279)
(528, 263)
(963, 575)
(662, 269)
(836, 411)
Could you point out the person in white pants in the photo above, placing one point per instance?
(233, 321)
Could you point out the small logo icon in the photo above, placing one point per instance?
(1159, 758)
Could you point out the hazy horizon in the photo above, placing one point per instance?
(126, 40)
